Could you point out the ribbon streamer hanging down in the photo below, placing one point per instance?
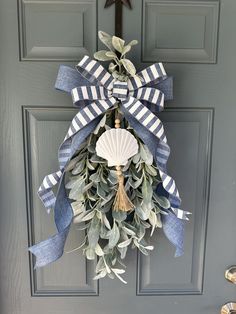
(94, 91)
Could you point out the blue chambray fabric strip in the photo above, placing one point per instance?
(51, 249)
(137, 97)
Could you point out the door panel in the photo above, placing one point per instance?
(195, 40)
(184, 275)
(190, 31)
(57, 30)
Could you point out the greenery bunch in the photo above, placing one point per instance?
(92, 186)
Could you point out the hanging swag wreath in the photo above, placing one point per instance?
(113, 180)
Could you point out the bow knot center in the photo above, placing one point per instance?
(120, 90)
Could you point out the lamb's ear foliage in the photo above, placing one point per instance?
(120, 67)
(92, 187)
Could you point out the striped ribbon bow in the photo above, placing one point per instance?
(139, 99)
(104, 95)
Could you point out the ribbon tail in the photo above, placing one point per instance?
(45, 192)
(51, 249)
(153, 95)
(173, 228)
(181, 214)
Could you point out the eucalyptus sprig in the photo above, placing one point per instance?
(120, 67)
(92, 187)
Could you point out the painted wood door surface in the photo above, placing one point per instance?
(196, 42)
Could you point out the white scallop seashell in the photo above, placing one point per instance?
(116, 146)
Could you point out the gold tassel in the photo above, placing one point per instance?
(122, 201)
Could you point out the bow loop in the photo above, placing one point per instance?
(147, 76)
(144, 116)
(94, 72)
(153, 96)
(87, 93)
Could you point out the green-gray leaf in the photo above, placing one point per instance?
(87, 187)
(137, 183)
(89, 215)
(142, 212)
(93, 232)
(102, 274)
(146, 154)
(112, 67)
(159, 222)
(118, 43)
(153, 221)
(128, 65)
(141, 232)
(143, 250)
(100, 265)
(102, 55)
(101, 192)
(79, 167)
(104, 233)
(162, 201)
(133, 42)
(128, 231)
(100, 124)
(78, 207)
(95, 177)
(114, 236)
(97, 159)
(119, 215)
(73, 162)
(106, 222)
(106, 39)
(77, 190)
(151, 170)
(147, 191)
(126, 49)
(123, 251)
(98, 250)
(90, 254)
(136, 158)
(125, 243)
(111, 54)
(89, 165)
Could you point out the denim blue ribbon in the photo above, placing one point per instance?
(94, 91)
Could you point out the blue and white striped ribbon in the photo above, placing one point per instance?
(133, 96)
